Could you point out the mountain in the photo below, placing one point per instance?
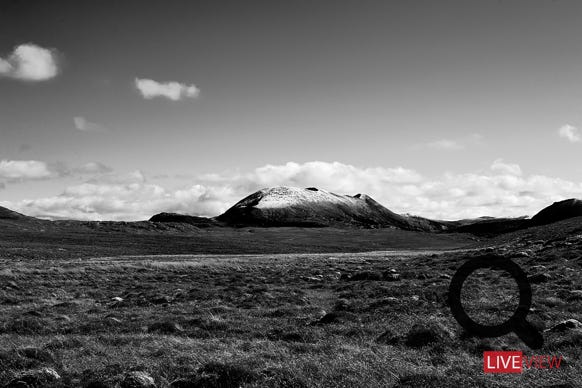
(7, 214)
(311, 207)
(201, 222)
(558, 211)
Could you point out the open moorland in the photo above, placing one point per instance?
(131, 308)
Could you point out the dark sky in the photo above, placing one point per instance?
(433, 86)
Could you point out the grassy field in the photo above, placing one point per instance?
(376, 319)
(266, 320)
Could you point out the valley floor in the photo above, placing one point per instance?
(277, 320)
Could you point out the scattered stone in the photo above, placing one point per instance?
(342, 305)
(137, 379)
(36, 354)
(36, 378)
(391, 276)
(568, 324)
(363, 275)
(165, 327)
(539, 278)
(162, 299)
(422, 334)
(334, 317)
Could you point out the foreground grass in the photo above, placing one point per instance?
(257, 320)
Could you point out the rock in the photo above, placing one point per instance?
(36, 378)
(162, 299)
(568, 324)
(165, 327)
(575, 295)
(363, 275)
(422, 334)
(539, 278)
(342, 305)
(137, 379)
(334, 317)
(36, 354)
(388, 338)
(390, 276)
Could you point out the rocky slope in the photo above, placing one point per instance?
(311, 207)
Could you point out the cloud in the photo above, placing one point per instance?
(14, 170)
(82, 124)
(29, 62)
(570, 133)
(174, 91)
(505, 168)
(446, 144)
(452, 144)
(502, 190)
(93, 168)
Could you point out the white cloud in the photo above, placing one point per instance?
(503, 190)
(570, 133)
(30, 62)
(174, 91)
(453, 144)
(82, 124)
(24, 170)
(93, 168)
(505, 168)
(446, 144)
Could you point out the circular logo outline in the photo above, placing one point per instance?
(517, 323)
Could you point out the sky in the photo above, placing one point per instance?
(445, 109)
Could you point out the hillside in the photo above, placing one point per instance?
(311, 207)
(558, 211)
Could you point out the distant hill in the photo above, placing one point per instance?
(7, 214)
(311, 207)
(201, 222)
(558, 211)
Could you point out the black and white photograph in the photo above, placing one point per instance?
(290, 193)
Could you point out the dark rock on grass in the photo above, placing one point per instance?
(162, 299)
(137, 379)
(388, 338)
(334, 317)
(390, 276)
(37, 354)
(36, 378)
(217, 375)
(539, 278)
(27, 325)
(362, 275)
(429, 333)
(165, 327)
(342, 305)
(568, 324)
